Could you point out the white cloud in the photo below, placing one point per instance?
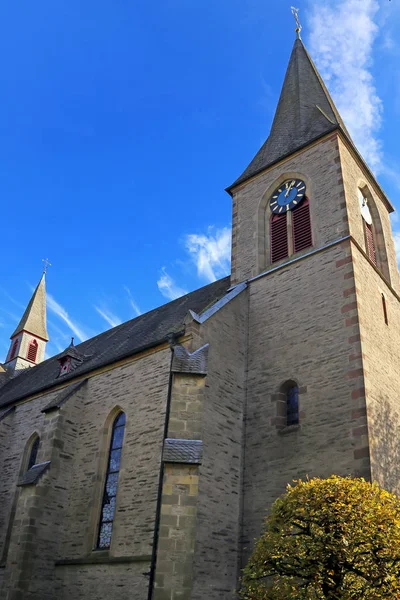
(211, 252)
(168, 287)
(108, 316)
(132, 302)
(58, 310)
(342, 37)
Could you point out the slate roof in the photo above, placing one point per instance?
(34, 474)
(183, 451)
(305, 112)
(63, 396)
(34, 317)
(125, 340)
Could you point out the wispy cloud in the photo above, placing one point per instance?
(211, 252)
(112, 319)
(132, 302)
(168, 287)
(344, 58)
(11, 299)
(60, 311)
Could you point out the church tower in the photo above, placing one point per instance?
(28, 342)
(312, 241)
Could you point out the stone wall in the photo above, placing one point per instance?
(319, 166)
(302, 328)
(52, 543)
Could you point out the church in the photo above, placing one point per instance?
(140, 463)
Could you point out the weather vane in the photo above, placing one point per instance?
(295, 13)
(46, 264)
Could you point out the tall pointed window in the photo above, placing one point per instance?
(301, 226)
(33, 453)
(32, 351)
(111, 485)
(279, 238)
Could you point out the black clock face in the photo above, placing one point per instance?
(287, 196)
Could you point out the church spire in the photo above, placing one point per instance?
(29, 339)
(305, 113)
(34, 318)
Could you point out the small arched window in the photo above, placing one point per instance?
(33, 453)
(279, 238)
(111, 484)
(14, 349)
(292, 405)
(32, 351)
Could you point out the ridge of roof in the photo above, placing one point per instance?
(305, 112)
(127, 339)
(34, 318)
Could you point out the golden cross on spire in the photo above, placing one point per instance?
(46, 265)
(295, 13)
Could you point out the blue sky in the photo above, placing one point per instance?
(122, 122)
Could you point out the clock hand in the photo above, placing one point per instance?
(289, 188)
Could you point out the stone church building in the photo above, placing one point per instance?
(140, 463)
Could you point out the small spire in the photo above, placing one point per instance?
(72, 342)
(46, 265)
(295, 13)
(34, 318)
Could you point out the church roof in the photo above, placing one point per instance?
(305, 112)
(34, 318)
(134, 336)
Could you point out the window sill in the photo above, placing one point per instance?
(289, 429)
(102, 557)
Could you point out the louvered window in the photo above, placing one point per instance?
(110, 491)
(370, 243)
(32, 351)
(14, 349)
(302, 237)
(279, 238)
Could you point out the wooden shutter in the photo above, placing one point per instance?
(370, 243)
(278, 238)
(302, 236)
(14, 349)
(32, 351)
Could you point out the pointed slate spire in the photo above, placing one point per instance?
(34, 318)
(305, 112)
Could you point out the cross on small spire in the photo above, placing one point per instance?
(295, 13)
(46, 264)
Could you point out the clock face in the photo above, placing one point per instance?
(365, 213)
(287, 196)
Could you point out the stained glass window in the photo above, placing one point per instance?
(34, 451)
(111, 485)
(292, 405)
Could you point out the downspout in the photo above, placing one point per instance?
(172, 338)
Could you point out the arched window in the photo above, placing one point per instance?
(279, 238)
(14, 349)
(32, 350)
(292, 405)
(301, 226)
(33, 452)
(111, 484)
